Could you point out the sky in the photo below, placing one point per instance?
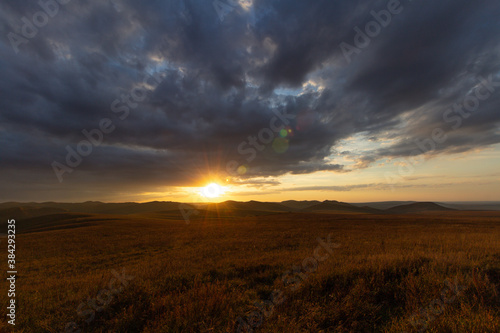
(272, 100)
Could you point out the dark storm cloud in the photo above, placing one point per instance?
(219, 83)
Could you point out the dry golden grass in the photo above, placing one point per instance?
(203, 276)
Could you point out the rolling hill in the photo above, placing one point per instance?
(46, 211)
(383, 205)
(339, 207)
(90, 207)
(24, 212)
(299, 204)
(418, 207)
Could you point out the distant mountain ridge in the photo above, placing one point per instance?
(383, 205)
(24, 212)
(96, 207)
(335, 206)
(250, 205)
(230, 208)
(418, 207)
(299, 204)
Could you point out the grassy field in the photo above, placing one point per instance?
(438, 272)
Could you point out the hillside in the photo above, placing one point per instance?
(419, 207)
(250, 206)
(382, 205)
(24, 212)
(478, 206)
(203, 276)
(340, 207)
(228, 209)
(89, 207)
(299, 204)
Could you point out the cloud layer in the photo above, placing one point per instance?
(190, 91)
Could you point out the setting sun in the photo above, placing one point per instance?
(212, 190)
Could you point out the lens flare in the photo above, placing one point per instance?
(242, 169)
(280, 145)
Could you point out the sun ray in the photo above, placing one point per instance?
(212, 191)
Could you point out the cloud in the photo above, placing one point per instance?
(223, 82)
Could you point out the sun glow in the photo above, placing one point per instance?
(212, 190)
